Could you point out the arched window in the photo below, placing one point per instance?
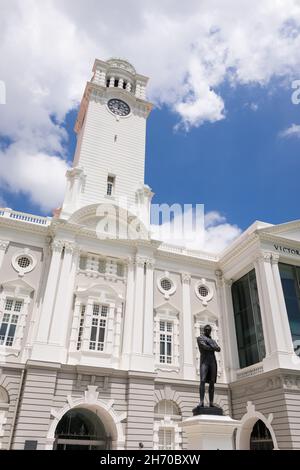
(167, 433)
(260, 438)
(167, 407)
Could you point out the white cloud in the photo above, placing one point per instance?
(292, 131)
(212, 234)
(37, 175)
(189, 49)
(218, 232)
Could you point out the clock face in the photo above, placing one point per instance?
(118, 107)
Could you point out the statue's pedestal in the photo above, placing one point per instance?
(210, 432)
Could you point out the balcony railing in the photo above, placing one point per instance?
(22, 216)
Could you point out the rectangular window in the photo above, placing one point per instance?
(290, 279)
(98, 330)
(166, 439)
(249, 332)
(120, 269)
(165, 342)
(9, 321)
(102, 266)
(110, 185)
(81, 323)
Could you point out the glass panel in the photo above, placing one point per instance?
(248, 324)
(94, 333)
(291, 290)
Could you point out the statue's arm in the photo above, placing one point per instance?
(214, 345)
(202, 345)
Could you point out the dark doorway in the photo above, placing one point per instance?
(260, 438)
(81, 429)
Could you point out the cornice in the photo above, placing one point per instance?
(197, 261)
(277, 239)
(279, 228)
(238, 250)
(24, 226)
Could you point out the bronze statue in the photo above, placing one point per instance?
(208, 365)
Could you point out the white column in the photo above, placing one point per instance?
(49, 296)
(75, 326)
(3, 245)
(138, 324)
(112, 82)
(284, 326)
(120, 84)
(137, 89)
(21, 323)
(108, 348)
(128, 316)
(229, 340)
(87, 325)
(276, 353)
(102, 78)
(176, 341)
(148, 320)
(187, 325)
(62, 311)
(117, 335)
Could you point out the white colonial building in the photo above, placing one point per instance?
(98, 334)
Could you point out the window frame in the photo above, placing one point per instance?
(250, 312)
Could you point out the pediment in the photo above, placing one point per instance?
(206, 316)
(288, 231)
(17, 286)
(101, 291)
(166, 306)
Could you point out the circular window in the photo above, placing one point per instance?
(203, 291)
(166, 284)
(24, 262)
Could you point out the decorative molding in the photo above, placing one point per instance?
(57, 245)
(275, 258)
(246, 425)
(3, 244)
(71, 248)
(264, 256)
(172, 290)
(210, 293)
(24, 253)
(185, 278)
(90, 399)
(150, 263)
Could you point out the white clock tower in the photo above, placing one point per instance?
(109, 159)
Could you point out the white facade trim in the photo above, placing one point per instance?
(112, 421)
(246, 426)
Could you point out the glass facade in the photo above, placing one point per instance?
(290, 279)
(248, 325)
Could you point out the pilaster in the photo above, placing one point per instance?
(39, 351)
(187, 322)
(3, 246)
(278, 354)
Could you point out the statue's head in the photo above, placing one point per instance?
(207, 330)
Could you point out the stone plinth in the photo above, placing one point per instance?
(210, 432)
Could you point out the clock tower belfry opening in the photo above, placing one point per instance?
(111, 133)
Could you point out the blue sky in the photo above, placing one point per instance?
(239, 166)
(220, 78)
